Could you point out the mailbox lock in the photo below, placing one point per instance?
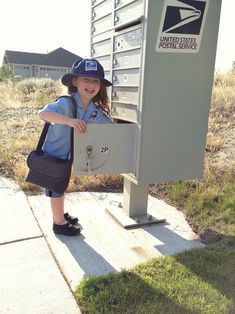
(89, 153)
(89, 150)
(117, 2)
(114, 62)
(116, 18)
(123, 111)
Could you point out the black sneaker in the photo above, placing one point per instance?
(66, 229)
(73, 220)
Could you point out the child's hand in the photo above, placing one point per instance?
(77, 124)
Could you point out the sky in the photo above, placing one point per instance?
(45, 25)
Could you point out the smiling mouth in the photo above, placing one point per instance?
(90, 91)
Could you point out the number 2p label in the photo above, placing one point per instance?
(104, 149)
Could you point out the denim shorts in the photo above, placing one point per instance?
(52, 193)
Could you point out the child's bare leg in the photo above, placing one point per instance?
(57, 207)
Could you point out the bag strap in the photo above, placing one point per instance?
(74, 114)
(47, 124)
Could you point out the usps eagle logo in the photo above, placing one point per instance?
(90, 65)
(184, 17)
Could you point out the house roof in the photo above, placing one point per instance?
(59, 57)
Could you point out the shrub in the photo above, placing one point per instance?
(6, 73)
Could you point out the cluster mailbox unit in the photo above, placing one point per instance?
(160, 56)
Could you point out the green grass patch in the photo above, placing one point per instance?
(196, 281)
(208, 204)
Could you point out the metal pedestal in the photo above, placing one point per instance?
(133, 212)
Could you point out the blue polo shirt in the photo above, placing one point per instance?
(57, 142)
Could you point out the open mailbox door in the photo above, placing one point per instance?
(105, 148)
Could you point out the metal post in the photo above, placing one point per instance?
(133, 212)
(135, 199)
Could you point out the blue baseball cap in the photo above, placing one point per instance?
(86, 68)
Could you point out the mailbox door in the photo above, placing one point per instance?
(105, 148)
(101, 9)
(129, 12)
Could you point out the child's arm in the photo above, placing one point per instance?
(57, 118)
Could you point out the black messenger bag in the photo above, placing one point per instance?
(50, 172)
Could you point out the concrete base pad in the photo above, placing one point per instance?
(132, 222)
(104, 246)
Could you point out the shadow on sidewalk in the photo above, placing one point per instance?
(90, 261)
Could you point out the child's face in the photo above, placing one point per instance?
(87, 87)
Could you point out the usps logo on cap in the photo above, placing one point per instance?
(90, 65)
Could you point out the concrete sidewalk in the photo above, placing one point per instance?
(30, 278)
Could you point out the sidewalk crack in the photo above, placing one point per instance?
(22, 239)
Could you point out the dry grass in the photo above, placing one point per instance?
(19, 123)
(20, 128)
(109, 183)
(8, 96)
(221, 129)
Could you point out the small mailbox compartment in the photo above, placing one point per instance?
(127, 77)
(128, 95)
(105, 62)
(96, 2)
(128, 13)
(120, 3)
(126, 59)
(101, 48)
(102, 9)
(105, 148)
(108, 76)
(126, 112)
(101, 25)
(128, 40)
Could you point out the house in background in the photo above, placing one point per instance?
(53, 64)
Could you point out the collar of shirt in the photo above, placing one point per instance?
(84, 114)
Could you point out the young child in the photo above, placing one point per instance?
(86, 83)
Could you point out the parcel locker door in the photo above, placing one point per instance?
(105, 148)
